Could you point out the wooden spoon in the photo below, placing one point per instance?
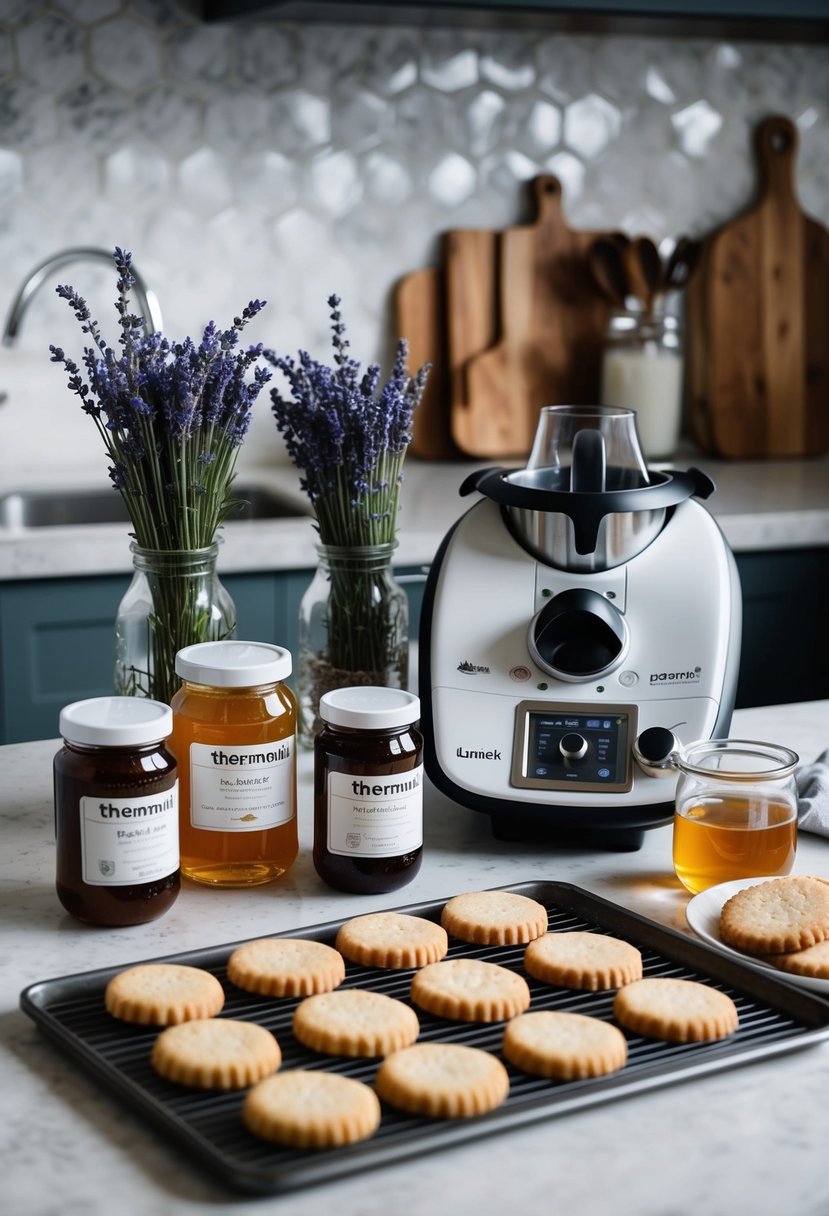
(644, 269)
(608, 266)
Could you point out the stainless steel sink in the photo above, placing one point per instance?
(71, 508)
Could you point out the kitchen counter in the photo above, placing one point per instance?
(752, 1139)
(758, 504)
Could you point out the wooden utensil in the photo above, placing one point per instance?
(552, 321)
(420, 318)
(608, 266)
(758, 321)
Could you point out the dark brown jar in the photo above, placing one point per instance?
(116, 811)
(368, 790)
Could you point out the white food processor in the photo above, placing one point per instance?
(581, 620)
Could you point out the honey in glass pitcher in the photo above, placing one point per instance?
(736, 813)
(234, 735)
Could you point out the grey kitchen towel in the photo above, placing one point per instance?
(813, 796)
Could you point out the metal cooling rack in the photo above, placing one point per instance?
(774, 1018)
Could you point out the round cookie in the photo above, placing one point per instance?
(442, 1081)
(285, 966)
(307, 1109)
(813, 961)
(494, 918)
(470, 990)
(587, 961)
(778, 916)
(564, 1046)
(354, 1022)
(215, 1053)
(163, 994)
(394, 940)
(681, 1011)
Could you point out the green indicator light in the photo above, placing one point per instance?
(546, 593)
(600, 688)
(542, 687)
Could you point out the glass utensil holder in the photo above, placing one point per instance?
(642, 370)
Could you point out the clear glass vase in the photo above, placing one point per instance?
(353, 628)
(175, 599)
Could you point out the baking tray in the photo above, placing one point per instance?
(774, 1018)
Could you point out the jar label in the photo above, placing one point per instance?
(242, 789)
(375, 816)
(125, 841)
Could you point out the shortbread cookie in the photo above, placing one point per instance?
(285, 966)
(393, 940)
(163, 994)
(354, 1022)
(470, 990)
(216, 1053)
(494, 918)
(778, 916)
(813, 961)
(682, 1011)
(590, 961)
(305, 1109)
(442, 1080)
(564, 1046)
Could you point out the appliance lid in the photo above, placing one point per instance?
(549, 490)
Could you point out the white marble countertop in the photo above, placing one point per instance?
(758, 504)
(751, 1139)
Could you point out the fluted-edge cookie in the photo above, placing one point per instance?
(494, 918)
(304, 1108)
(443, 1080)
(285, 966)
(564, 1046)
(813, 961)
(470, 990)
(681, 1011)
(394, 940)
(216, 1053)
(586, 961)
(163, 994)
(777, 916)
(355, 1022)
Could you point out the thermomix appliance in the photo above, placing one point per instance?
(581, 620)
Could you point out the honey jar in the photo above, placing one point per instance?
(234, 734)
(116, 811)
(368, 789)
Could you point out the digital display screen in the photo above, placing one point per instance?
(560, 747)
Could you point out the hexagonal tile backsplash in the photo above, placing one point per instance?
(287, 161)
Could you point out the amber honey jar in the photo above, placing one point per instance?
(116, 811)
(234, 735)
(368, 789)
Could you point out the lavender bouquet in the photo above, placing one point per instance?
(348, 435)
(172, 416)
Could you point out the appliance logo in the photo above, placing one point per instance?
(676, 677)
(472, 669)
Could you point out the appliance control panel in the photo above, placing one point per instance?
(560, 747)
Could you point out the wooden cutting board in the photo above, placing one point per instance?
(471, 269)
(550, 334)
(420, 317)
(758, 321)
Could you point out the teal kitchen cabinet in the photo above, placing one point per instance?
(56, 637)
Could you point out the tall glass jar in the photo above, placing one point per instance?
(642, 370)
(175, 600)
(353, 628)
(234, 728)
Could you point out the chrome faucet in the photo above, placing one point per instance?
(85, 253)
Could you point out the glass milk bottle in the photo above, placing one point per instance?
(642, 370)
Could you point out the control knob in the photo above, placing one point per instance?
(572, 746)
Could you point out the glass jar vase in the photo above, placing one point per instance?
(175, 599)
(642, 370)
(353, 628)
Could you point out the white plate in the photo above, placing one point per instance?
(703, 916)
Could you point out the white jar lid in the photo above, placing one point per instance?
(116, 721)
(233, 664)
(369, 707)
